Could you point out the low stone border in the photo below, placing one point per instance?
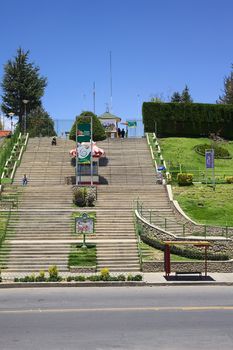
(182, 266)
(72, 284)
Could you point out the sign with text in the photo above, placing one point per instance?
(209, 159)
(84, 132)
(85, 224)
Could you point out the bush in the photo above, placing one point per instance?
(191, 253)
(104, 274)
(121, 278)
(98, 130)
(188, 119)
(94, 278)
(219, 151)
(79, 196)
(41, 277)
(83, 196)
(229, 179)
(53, 274)
(184, 179)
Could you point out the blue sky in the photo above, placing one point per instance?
(157, 47)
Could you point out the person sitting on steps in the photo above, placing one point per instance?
(54, 141)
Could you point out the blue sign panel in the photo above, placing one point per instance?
(209, 159)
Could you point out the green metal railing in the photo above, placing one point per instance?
(154, 217)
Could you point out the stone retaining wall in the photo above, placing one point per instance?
(218, 245)
(212, 266)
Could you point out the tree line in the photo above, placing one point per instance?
(23, 88)
(185, 96)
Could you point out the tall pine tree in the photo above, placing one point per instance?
(185, 95)
(227, 97)
(176, 97)
(21, 81)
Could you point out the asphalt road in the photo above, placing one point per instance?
(117, 318)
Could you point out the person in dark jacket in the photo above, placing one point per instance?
(123, 133)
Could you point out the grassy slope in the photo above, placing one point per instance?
(200, 202)
(180, 150)
(150, 254)
(206, 206)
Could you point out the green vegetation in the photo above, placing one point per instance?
(189, 251)
(188, 119)
(206, 206)
(219, 151)
(180, 156)
(21, 82)
(84, 196)
(55, 277)
(98, 130)
(39, 123)
(151, 254)
(82, 256)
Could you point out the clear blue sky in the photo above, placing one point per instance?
(157, 47)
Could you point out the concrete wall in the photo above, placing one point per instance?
(212, 266)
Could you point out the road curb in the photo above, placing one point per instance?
(5, 285)
(70, 284)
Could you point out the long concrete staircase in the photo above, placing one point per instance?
(40, 232)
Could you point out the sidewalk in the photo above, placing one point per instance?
(158, 278)
(149, 279)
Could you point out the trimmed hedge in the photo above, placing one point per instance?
(190, 253)
(188, 119)
(219, 151)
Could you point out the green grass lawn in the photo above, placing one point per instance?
(206, 206)
(177, 151)
(151, 254)
(199, 201)
(82, 256)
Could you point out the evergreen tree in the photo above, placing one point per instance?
(98, 130)
(21, 81)
(227, 97)
(185, 96)
(39, 123)
(176, 97)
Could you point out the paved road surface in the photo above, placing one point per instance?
(117, 318)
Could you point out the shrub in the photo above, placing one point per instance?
(121, 278)
(104, 274)
(137, 278)
(90, 199)
(41, 277)
(186, 252)
(94, 278)
(219, 151)
(79, 197)
(185, 179)
(80, 278)
(53, 274)
(188, 119)
(98, 130)
(83, 196)
(229, 179)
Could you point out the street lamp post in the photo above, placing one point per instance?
(25, 115)
(11, 114)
